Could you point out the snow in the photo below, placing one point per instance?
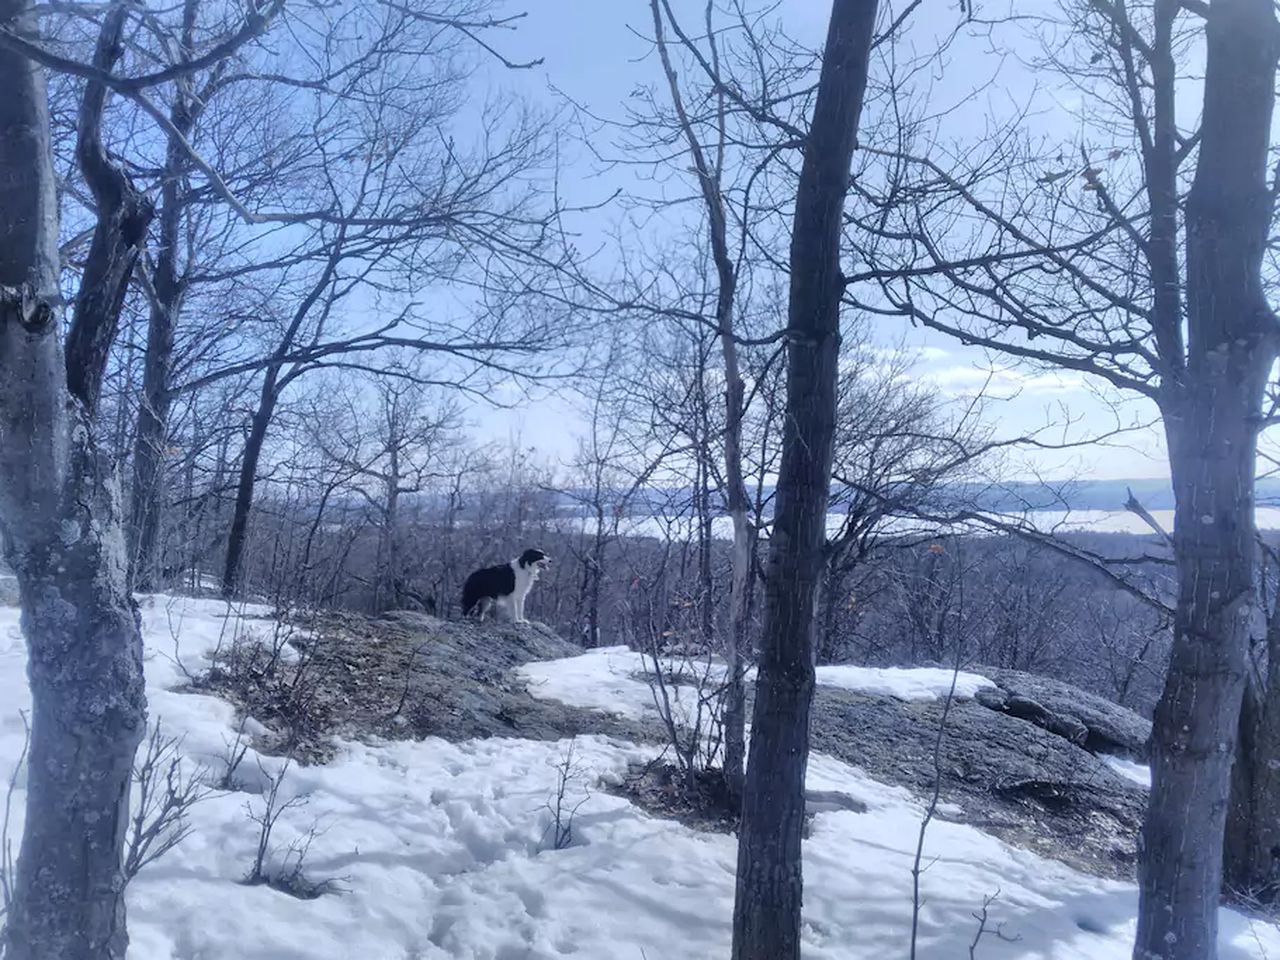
(440, 849)
(914, 683)
(610, 679)
(1139, 773)
(603, 679)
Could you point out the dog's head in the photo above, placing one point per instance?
(534, 560)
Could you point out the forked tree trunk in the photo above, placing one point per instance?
(274, 381)
(61, 524)
(766, 916)
(1211, 411)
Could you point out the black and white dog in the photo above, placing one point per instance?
(506, 585)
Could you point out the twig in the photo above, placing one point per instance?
(916, 868)
(982, 918)
(164, 797)
(6, 855)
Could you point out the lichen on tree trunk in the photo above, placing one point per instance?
(61, 524)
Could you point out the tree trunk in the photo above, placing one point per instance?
(706, 581)
(388, 592)
(738, 503)
(61, 526)
(1211, 413)
(597, 578)
(147, 491)
(766, 916)
(88, 716)
(735, 694)
(1252, 844)
(232, 571)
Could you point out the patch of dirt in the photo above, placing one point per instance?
(401, 676)
(664, 790)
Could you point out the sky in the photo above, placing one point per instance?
(596, 54)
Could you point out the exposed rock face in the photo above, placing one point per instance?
(1097, 724)
(1022, 759)
(407, 675)
(1017, 759)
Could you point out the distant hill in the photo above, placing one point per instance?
(1012, 496)
(1008, 497)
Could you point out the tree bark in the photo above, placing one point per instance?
(1252, 843)
(147, 492)
(387, 597)
(147, 489)
(1211, 412)
(236, 538)
(767, 907)
(61, 525)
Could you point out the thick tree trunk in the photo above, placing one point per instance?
(61, 527)
(1211, 414)
(88, 716)
(238, 535)
(766, 916)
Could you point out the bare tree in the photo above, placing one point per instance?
(182, 206)
(766, 917)
(708, 166)
(1141, 266)
(347, 177)
(605, 474)
(61, 519)
(388, 453)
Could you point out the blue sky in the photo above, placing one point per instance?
(592, 52)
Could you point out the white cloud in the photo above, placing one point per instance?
(1001, 383)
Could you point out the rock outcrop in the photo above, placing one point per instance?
(1024, 759)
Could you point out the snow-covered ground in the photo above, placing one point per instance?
(610, 679)
(920, 683)
(441, 849)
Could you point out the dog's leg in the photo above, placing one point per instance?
(519, 604)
